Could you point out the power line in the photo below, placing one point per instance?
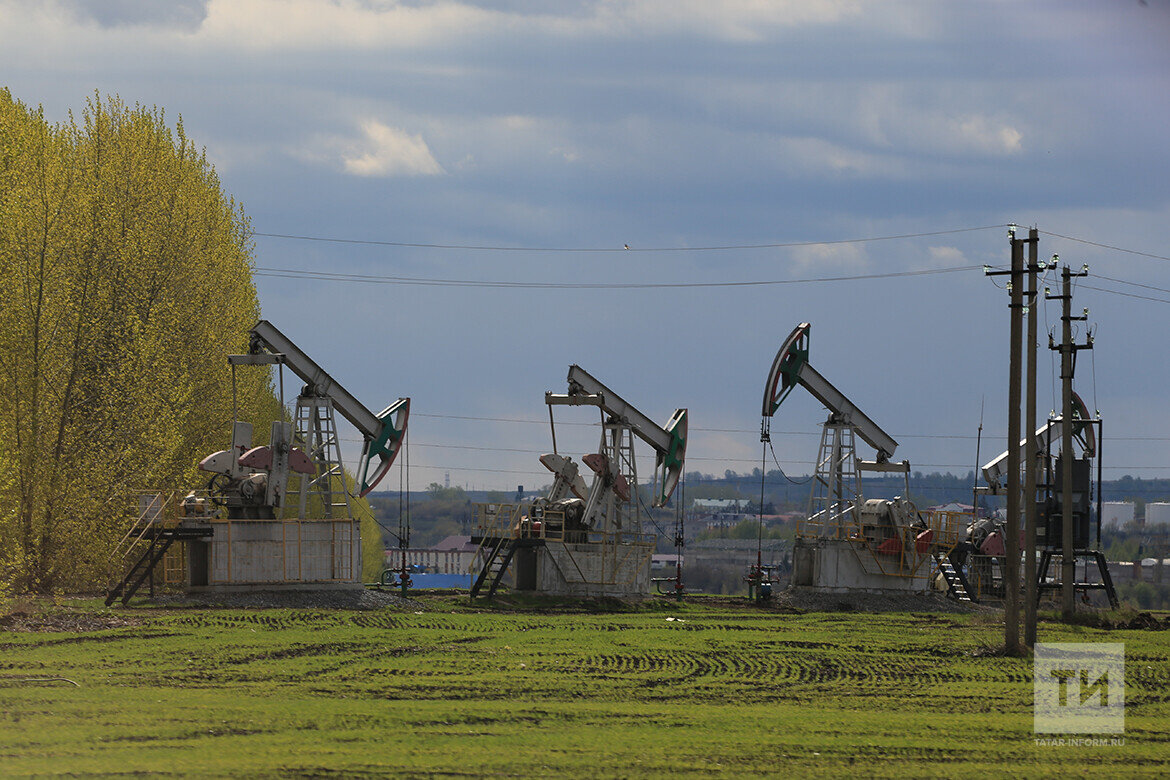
(469, 468)
(712, 248)
(1105, 246)
(1132, 284)
(293, 273)
(618, 249)
(1122, 294)
(529, 421)
(323, 276)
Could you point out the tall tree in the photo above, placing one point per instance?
(127, 276)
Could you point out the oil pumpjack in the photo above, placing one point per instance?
(251, 482)
(245, 530)
(849, 543)
(584, 540)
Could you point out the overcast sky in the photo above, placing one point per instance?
(668, 125)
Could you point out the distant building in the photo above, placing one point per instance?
(954, 506)
(719, 521)
(1115, 514)
(664, 560)
(453, 555)
(1145, 570)
(719, 505)
(1157, 513)
(717, 512)
(739, 554)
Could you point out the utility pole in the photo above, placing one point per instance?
(1030, 449)
(1068, 362)
(1011, 569)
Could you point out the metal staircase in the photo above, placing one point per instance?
(161, 536)
(957, 587)
(499, 554)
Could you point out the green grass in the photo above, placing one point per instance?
(661, 690)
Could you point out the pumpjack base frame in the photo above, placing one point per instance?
(1047, 556)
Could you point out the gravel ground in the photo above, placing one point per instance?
(328, 598)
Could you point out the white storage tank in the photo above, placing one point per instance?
(1158, 513)
(1116, 514)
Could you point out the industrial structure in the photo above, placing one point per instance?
(584, 540)
(983, 548)
(849, 543)
(276, 515)
(279, 515)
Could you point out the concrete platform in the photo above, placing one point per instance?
(277, 553)
(586, 570)
(840, 566)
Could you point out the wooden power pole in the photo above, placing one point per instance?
(1011, 568)
(1030, 449)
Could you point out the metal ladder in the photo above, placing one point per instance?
(957, 587)
(499, 556)
(316, 429)
(837, 483)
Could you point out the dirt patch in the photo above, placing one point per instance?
(811, 600)
(1144, 620)
(65, 621)
(1117, 620)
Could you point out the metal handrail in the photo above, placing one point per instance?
(949, 528)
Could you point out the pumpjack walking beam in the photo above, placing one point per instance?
(669, 442)
(791, 368)
(995, 470)
(383, 432)
(837, 482)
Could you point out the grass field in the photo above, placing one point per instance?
(663, 689)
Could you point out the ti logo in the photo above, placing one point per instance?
(1079, 688)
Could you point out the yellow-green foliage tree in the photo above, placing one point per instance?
(373, 550)
(126, 278)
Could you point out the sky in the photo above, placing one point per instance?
(478, 169)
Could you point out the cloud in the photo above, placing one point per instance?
(731, 20)
(389, 151)
(980, 133)
(817, 156)
(342, 24)
(946, 256)
(825, 257)
(316, 24)
(186, 15)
